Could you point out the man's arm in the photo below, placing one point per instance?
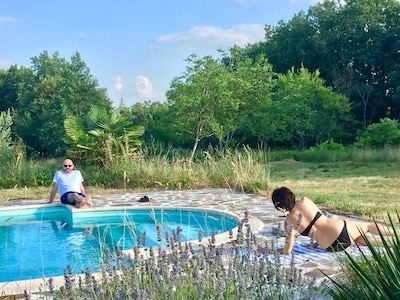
(53, 192)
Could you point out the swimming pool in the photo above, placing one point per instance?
(41, 241)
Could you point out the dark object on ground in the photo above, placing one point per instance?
(145, 199)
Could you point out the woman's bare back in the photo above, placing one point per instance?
(324, 231)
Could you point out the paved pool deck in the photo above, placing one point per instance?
(264, 219)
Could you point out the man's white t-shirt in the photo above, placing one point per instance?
(68, 182)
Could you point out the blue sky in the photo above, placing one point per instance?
(135, 47)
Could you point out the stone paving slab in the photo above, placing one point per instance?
(310, 262)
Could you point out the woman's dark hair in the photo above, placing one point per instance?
(283, 198)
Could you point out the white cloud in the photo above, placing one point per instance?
(118, 84)
(209, 37)
(5, 19)
(144, 86)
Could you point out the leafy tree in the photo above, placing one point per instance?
(101, 136)
(255, 87)
(60, 89)
(354, 44)
(305, 111)
(367, 57)
(155, 117)
(198, 97)
(12, 82)
(213, 100)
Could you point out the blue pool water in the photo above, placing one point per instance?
(41, 242)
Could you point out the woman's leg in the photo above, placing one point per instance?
(374, 229)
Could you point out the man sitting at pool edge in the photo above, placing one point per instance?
(69, 183)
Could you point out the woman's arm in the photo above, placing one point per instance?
(289, 239)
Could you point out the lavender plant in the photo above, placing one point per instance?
(236, 270)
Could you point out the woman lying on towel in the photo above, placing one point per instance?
(329, 233)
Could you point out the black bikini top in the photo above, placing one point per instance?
(306, 231)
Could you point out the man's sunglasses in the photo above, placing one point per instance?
(67, 166)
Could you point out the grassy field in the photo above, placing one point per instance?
(367, 189)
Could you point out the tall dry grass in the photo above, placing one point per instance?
(363, 182)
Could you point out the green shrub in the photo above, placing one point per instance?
(386, 132)
(8, 182)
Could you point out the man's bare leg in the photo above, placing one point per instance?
(79, 201)
(88, 201)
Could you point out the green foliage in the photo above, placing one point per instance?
(48, 93)
(352, 43)
(328, 145)
(305, 112)
(386, 132)
(12, 82)
(20, 172)
(326, 151)
(199, 97)
(214, 98)
(155, 117)
(238, 99)
(375, 276)
(101, 136)
(6, 146)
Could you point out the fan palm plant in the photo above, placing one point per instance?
(101, 136)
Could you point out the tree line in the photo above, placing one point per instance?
(326, 74)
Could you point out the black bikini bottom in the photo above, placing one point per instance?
(342, 242)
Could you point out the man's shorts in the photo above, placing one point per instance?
(64, 197)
